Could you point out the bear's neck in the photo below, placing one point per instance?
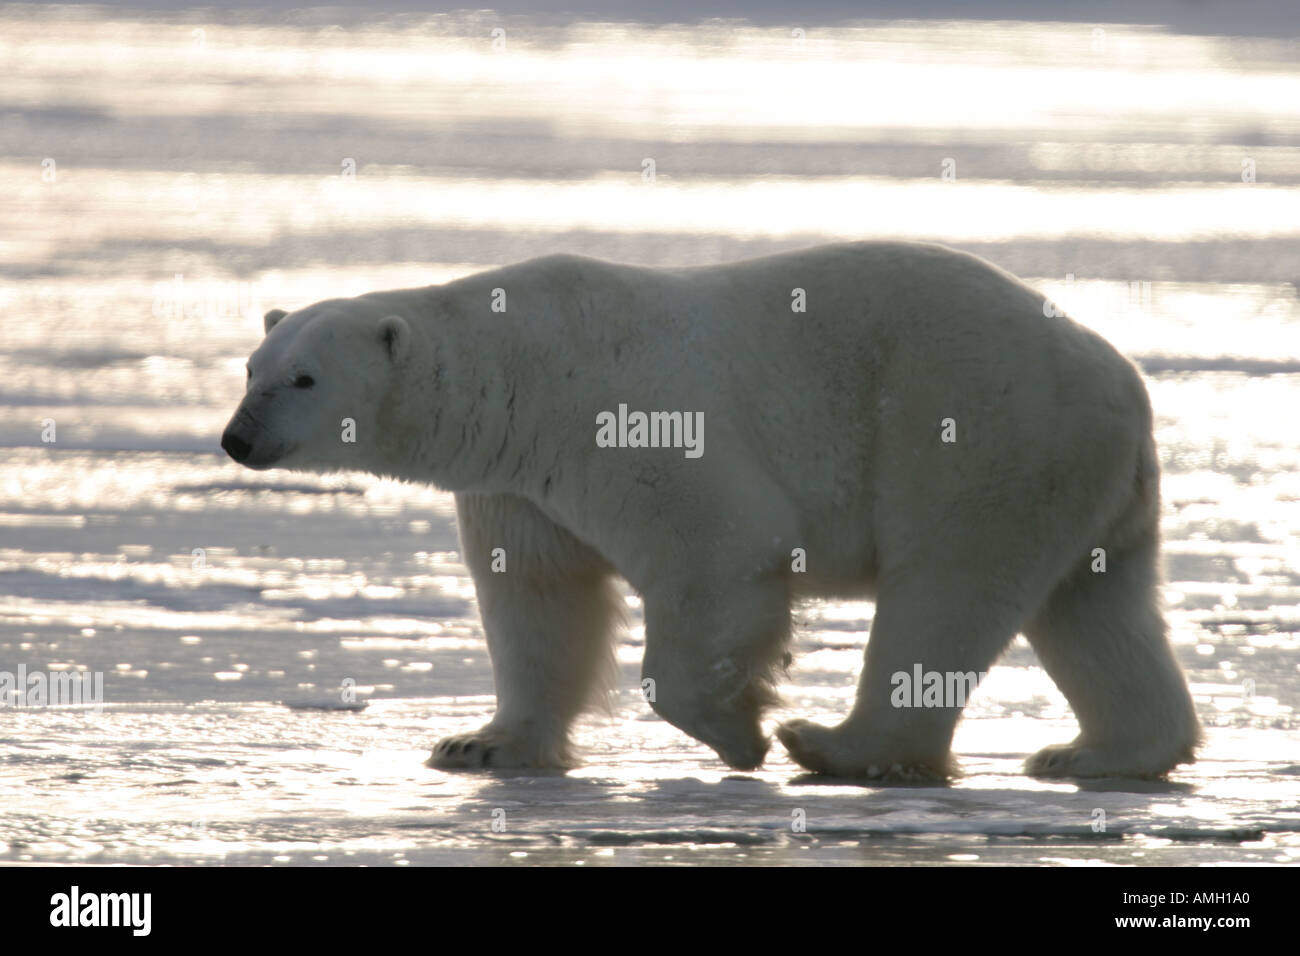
(467, 421)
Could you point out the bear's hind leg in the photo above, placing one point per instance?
(549, 610)
(931, 622)
(1102, 639)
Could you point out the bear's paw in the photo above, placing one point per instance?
(1078, 759)
(492, 749)
(826, 750)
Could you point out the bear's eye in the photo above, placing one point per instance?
(304, 381)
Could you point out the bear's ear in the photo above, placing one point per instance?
(272, 317)
(396, 336)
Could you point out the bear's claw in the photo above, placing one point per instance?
(462, 752)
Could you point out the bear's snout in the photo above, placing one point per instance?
(235, 446)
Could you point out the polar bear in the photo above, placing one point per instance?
(898, 421)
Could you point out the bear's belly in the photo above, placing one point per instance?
(838, 564)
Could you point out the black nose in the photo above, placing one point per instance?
(235, 446)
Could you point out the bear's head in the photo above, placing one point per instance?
(319, 387)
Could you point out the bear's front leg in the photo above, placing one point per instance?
(712, 648)
(549, 611)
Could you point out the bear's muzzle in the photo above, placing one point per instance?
(235, 446)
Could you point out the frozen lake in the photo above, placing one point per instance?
(165, 181)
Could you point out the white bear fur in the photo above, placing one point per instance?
(822, 432)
